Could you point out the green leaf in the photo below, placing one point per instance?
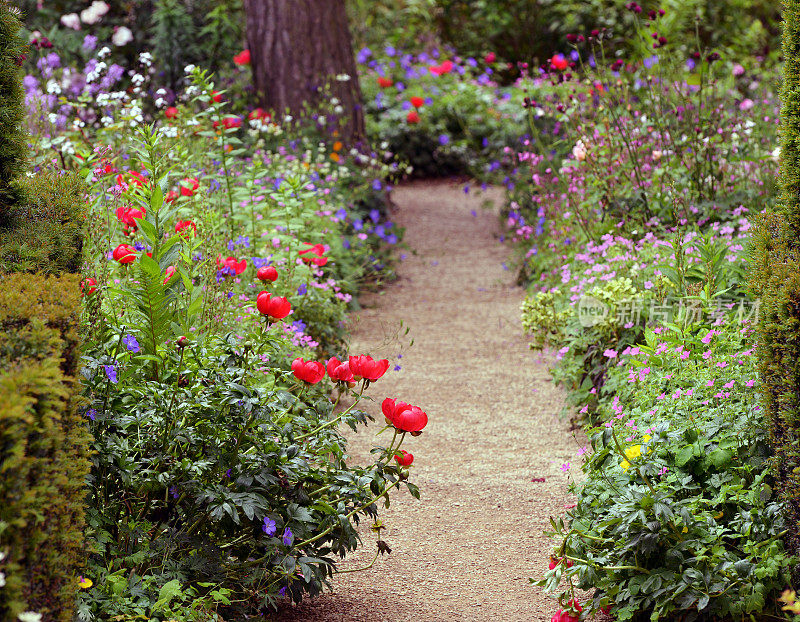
(166, 594)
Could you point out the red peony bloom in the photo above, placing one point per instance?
(404, 417)
(127, 213)
(385, 83)
(364, 367)
(277, 307)
(186, 227)
(417, 102)
(124, 253)
(242, 58)
(259, 113)
(267, 273)
(237, 266)
(340, 372)
(169, 273)
(189, 185)
(231, 122)
(171, 112)
(406, 459)
(308, 371)
(88, 286)
(316, 249)
(413, 117)
(559, 62)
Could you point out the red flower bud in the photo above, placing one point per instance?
(88, 286)
(417, 102)
(171, 112)
(242, 58)
(124, 253)
(277, 307)
(406, 459)
(267, 273)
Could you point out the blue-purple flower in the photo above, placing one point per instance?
(269, 526)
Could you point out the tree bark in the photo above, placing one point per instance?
(297, 49)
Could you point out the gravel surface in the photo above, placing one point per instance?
(466, 550)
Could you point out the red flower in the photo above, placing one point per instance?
(230, 262)
(340, 372)
(126, 215)
(413, 117)
(490, 58)
(417, 102)
(170, 271)
(267, 273)
(406, 459)
(385, 83)
(316, 249)
(231, 122)
(277, 307)
(171, 112)
(136, 178)
(189, 185)
(404, 417)
(88, 286)
(185, 226)
(308, 371)
(364, 367)
(171, 196)
(216, 96)
(242, 58)
(259, 113)
(124, 253)
(559, 63)
(445, 67)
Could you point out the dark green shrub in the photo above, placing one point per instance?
(776, 278)
(43, 446)
(13, 139)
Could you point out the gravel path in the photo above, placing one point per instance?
(466, 550)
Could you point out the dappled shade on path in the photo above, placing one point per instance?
(467, 549)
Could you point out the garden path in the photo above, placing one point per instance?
(466, 550)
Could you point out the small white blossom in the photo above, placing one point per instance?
(53, 87)
(137, 79)
(146, 59)
(189, 69)
(343, 77)
(71, 20)
(106, 121)
(104, 51)
(122, 36)
(29, 616)
(53, 117)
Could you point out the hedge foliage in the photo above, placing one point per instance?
(776, 278)
(43, 442)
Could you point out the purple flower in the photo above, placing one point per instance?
(444, 139)
(91, 413)
(269, 526)
(302, 290)
(282, 591)
(288, 537)
(111, 373)
(131, 343)
(89, 43)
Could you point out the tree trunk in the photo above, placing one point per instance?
(297, 49)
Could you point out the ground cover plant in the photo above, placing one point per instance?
(633, 232)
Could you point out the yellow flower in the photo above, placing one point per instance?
(646, 438)
(625, 465)
(633, 452)
(685, 529)
(85, 583)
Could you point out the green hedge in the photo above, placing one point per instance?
(776, 278)
(44, 444)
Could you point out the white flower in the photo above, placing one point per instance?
(106, 121)
(90, 16)
(122, 36)
(104, 51)
(189, 69)
(579, 151)
(776, 154)
(146, 59)
(343, 77)
(53, 87)
(100, 7)
(71, 20)
(338, 110)
(137, 79)
(29, 616)
(2, 579)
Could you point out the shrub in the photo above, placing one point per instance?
(43, 446)
(776, 278)
(13, 139)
